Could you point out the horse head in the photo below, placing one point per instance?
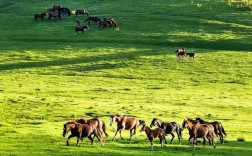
(155, 122)
(143, 128)
(66, 128)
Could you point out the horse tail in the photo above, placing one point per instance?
(223, 130)
(104, 128)
(97, 133)
(87, 13)
(35, 17)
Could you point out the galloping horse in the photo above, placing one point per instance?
(82, 12)
(101, 126)
(94, 19)
(218, 128)
(127, 123)
(40, 15)
(80, 28)
(151, 134)
(80, 131)
(199, 131)
(169, 128)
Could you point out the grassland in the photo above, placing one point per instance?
(49, 76)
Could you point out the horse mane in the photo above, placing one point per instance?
(201, 120)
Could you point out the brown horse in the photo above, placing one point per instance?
(82, 12)
(218, 128)
(180, 53)
(199, 131)
(81, 131)
(151, 134)
(55, 15)
(107, 22)
(168, 127)
(39, 15)
(81, 28)
(127, 123)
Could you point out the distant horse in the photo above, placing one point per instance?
(80, 131)
(55, 15)
(199, 131)
(169, 128)
(127, 123)
(151, 134)
(191, 55)
(180, 53)
(77, 22)
(93, 19)
(82, 12)
(107, 22)
(39, 15)
(81, 28)
(64, 11)
(218, 128)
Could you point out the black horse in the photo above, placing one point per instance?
(169, 128)
(64, 11)
(39, 15)
(93, 19)
(80, 28)
(218, 128)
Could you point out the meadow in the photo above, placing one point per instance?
(49, 76)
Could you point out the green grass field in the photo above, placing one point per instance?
(49, 76)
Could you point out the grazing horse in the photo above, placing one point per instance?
(180, 53)
(55, 15)
(218, 128)
(93, 19)
(191, 55)
(168, 127)
(39, 15)
(80, 28)
(82, 12)
(127, 123)
(151, 134)
(76, 22)
(80, 131)
(198, 130)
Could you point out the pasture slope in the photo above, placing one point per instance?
(49, 76)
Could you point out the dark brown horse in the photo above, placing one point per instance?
(101, 126)
(169, 128)
(151, 134)
(198, 130)
(180, 53)
(218, 128)
(107, 22)
(81, 28)
(93, 19)
(82, 12)
(39, 15)
(81, 131)
(57, 16)
(127, 123)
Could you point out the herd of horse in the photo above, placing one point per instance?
(95, 128)
(57, 11)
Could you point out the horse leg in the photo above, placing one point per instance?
(115, 134)
(70, 136)
(131, 134)
(204, 141)
(172, 137)
(179, 135)
(78, 140)
(151, 142)
(121, 134)
(161, 139)
(91, 139)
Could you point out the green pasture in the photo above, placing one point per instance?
(49, 76)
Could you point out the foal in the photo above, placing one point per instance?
(151, 134)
